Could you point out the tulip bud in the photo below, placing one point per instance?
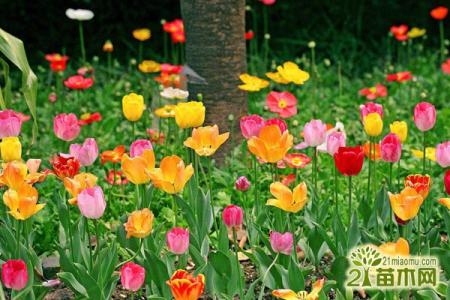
(335, 140)
(66, 127)
(281, 242)
(391, 148)
(315, 133)
(11, 149)
(177, 240)
(15, 274)
(108, 46)
(86, 153)
(251, 125)
(189, 114)
(133, 106)
(242, 184)
(400, 128)
(137, 147)
(424, 116)
(10, 123)
(132, 276)
(91, 202)
(232, 216)
(443, 154)
(373, 124)
(447, 182)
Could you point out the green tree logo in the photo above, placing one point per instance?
(366, 257)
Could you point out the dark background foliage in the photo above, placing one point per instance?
(344, 30)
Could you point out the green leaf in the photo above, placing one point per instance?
(71, 281)
(354, 235)
(221, 263)
(295, 277)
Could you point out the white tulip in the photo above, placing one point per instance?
(79, 14)
(172, 93)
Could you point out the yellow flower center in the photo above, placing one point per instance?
(282, 103)
(372, 89)
(297, 161)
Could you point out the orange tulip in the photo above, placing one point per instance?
(401, 247)
(79, 183)
(139, 223)
(287, 200)
(172, 175)
(376, 151)
(184, 286)
(22, 201)
(421, 183)
(137, 169)
(16, 172)
(405, 205)
(206, 140)
(287, 294)
(113, 156)
(271, 145)
(445, 202)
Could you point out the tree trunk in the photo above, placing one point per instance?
(215, 50)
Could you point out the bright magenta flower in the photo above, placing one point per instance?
(232, 216)
(282, 103)
(15, 274)
(370, 107)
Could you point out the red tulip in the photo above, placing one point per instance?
(65, 165)
(447, 181)
(349, 160)
(15, 274)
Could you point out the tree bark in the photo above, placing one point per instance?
(215, 50)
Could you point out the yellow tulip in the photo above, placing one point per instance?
(406, 205)
(79, 183)
(11, 148)
(373, 124)
(142, 34)
(252, 83)
(133, 106)
(271, 145)
(416, 32)
(108, 46)
(445, 202)
(16, 172)
(287, 200)
(430, 153)
(401, 247)
(167, 111)
(137, 169)
(190, 114)
(149, 66)
(206, 140)
(292, 73)
(275, 76)
(139, 223)
(287, 294)
(172, 175)
(22, 201)
(400, 128)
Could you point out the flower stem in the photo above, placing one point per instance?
(175, 210)
(86, 224)
(424, 154)
(83, 51)
(261, 293)
(238, 266)
(370, 170)
(441, 37)
(18, 238)
(97, 238)
(390, 175)
(349, 199)
(335, 190)
(134, 255)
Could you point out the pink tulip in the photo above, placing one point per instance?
(91, 202)
(281, 242)
(242, 184)
(280, 123)
(370, 107)
(443, 154)
(177, 240)
(251, 125)
(334, 141)
(232, 216)
(10, 123)
(86, 153)
(391, 148)
(282, 103)
(138, 147)
(66, 126)
(315, 133)
(15, 274)
(132, 276)
(424, 116)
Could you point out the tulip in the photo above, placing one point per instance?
(287, 200)
(22, 201)
(447, 181)
(315, 133)
(242, 184)
(139, 223)
(10, 123)
(66, 127)
(401, 247)
(370, 107)
(445, 202)
(137, 169)
(424, 116)
(206, 140)
(132, 276)
(113, 156)
(232, 216)
(86, 153)
(172, 175)
(189, 114)
(349, 160)
(78, 82)
(282, 103)
(335, 140)
(133, 106)
(279, 122)
(271, 145)
(177, 240)
(186, 287)
(79, 183)
(302, 295)
(391, 148)
(443, 154)
(373, 124)
(400, 128)
(138, 147)
(91, 202)
(421, 183)
(65, 165)
(405, 205)
(281, 242)
(15, 274)
(11, 148)
(251, 125)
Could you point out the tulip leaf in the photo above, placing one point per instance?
(71, 281)
(354, 235)
(296, 280)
